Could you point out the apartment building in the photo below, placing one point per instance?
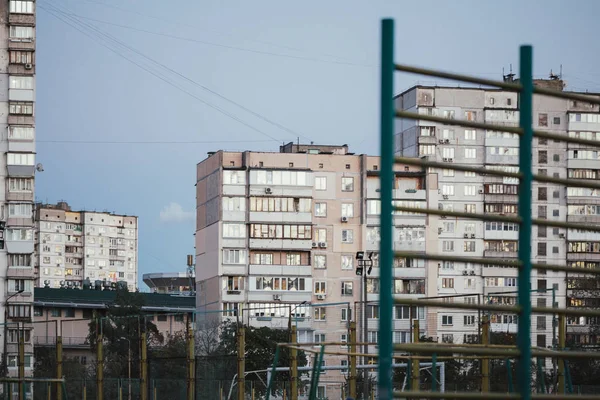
(277, 236)
(72, 246)
(19, 163)
(469, 192)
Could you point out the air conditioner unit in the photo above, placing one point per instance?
(472, 236)
(447, 141)
(466, 235)
(323, 245)
(344, 219)
(57, 230)
(450, 159)
(268, 191)
(440, 230)
(320, 297)
(28, 66)
(441, 141)
(465, 273)
(315, 244)
(445, 159)
(276, 297)
(480, 191)
(561, 235)
(445, 197)
(472, 273)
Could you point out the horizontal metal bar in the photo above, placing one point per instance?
(457, 167)
(565, 354)
(432, 348)
(458, 122)
(567, 311)
(515, 87)
(549, 267)
(443, 257)
(566, 95)
(459, 214)
(418, 394)
(566, 225)
(462, 306)
(584, 183)
(565, 138)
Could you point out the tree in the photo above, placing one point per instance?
(168, 367)
(261, 344)
(121, 327)
(45, 366)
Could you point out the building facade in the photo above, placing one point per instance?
(169, 282)
(73, 246)
(16, 206)
(278, 233)
(469, 192)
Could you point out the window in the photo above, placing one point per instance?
(556, 157)
(234, 177)
(19, 234)
(292, 259)
(320, 313)
(470, 115)
(21, 57)
(448, 227)
(448, 114)
(347, 184)
(320, 287)
(15, 334)
(19, 260)
(470, 208)
(446, 319)
(347, 236)
(320, 235)
(15, 285)
(347, 262)
(447, 245)
(320, 209)
(469, 320)
(21, 33)
(19, 311)
(541, 249)
(20, 210)
(447, 283)
(373, 312)
(555, 213)
(346, 314)
(347, 288)
(470, 153)
(470, 134)
(20, 108)
(20, 159)
(542, 212)
(447, 338)
(448, 152)
(21, 6)
(448, 172)
(426, 149)
(280, 204)
(373, 285)
(234, 256)
(347, 210)
(556, 121)
(470, 174)
(21, 132)
(470, 190)
(20, 82)
(448, 190)
(542, 193)
(320, 261)
(542, 157)
(373, 336)
(234, 230)
(469, 246)
(542, 119)
(20, 185)
(542, 231)
(541, 340)
(234, 204)
(320, 183)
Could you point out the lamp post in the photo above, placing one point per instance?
(4, 355)
(364, 268)
(128, 366)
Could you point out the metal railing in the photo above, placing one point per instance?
(523, 351)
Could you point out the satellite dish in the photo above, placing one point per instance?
(39, 167)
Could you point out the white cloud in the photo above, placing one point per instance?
(175, 213)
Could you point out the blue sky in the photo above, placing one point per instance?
(114, 77)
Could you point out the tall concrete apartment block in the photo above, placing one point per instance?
(469, 192)
(75, 246)
(17, 79)
(279, 232)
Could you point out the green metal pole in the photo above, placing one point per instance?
(386, 252)
(525, 184)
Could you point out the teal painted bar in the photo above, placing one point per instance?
(386, 249)
(525, 185)
(273, 372)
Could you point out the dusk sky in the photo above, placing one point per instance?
(132, 94)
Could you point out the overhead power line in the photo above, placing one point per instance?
(97, 35)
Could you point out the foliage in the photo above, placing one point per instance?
(45, 366)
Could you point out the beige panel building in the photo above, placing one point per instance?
(278, 232)
(72, 246)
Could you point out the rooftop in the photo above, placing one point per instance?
(77, 298)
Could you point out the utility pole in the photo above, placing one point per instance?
(485, 362)
(352, 372)
(562, 326)
(241, 351)
(415, 364)
(21, 366)
(191, 363)
(293, 364)
(59, 365)
(100, 367)
(364, 267)
(144, 357)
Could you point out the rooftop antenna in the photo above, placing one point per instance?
(510, 77)
(191, 274)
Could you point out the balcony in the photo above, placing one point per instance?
(288, 296)
(19, 246)
(17, 145)
(25, 171)
(68, 342)
(25, 272)
(500, 198)
(501, 235)
(500, 254)
(233, 269)
(19, 221)
(279, 322)
(279, 217)
(285, 270)
(21, 19)
(410, 246)
(281, 244)
(410, 194)
(233, 295)
(19, 196)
